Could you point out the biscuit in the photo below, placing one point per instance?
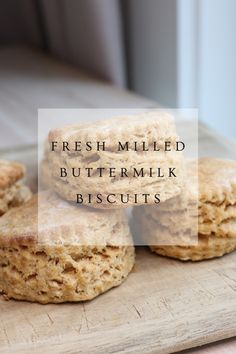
(147, 127)
(52, 251)
(211, 217)
(12, 191)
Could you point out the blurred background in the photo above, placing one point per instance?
(85, 53)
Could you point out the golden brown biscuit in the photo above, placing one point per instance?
(169, 227)
(52, 251)
(12, 191)
(151, 128)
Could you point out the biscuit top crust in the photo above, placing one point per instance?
(217, 180)
(150, 126)
(49, 220)
(10, 173)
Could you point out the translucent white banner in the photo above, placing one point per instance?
(118, 176)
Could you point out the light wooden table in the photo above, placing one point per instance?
(30, 80)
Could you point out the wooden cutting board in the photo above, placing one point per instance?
(163, 307)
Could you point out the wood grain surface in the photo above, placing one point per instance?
(163, 307)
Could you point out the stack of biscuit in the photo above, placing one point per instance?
(54, 250)
(213, 221)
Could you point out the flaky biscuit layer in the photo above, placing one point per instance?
(55, 274)
(208, 247)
